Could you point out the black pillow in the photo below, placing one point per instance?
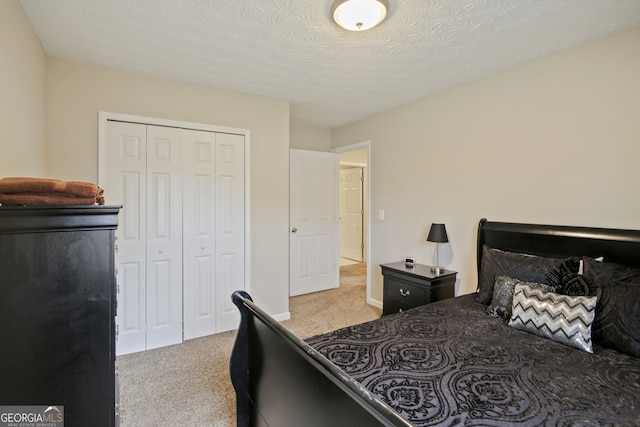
(608, 270)
(524, 267)
(617, 321)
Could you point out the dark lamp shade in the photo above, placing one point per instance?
(437, 234)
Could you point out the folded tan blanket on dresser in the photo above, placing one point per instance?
(43, 191)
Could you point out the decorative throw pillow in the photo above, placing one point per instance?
(608, 270)
(561, 318)
(527, 268)
(573, 284)
(617, 322)
(502, 300)
(571, 280)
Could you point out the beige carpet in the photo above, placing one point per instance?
(188, 384)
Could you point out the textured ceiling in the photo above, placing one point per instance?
(291, 50)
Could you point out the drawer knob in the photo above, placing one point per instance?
(404, 293)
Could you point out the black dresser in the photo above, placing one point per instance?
(57, 310)
(409, 287)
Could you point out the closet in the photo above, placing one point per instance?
(180, 243)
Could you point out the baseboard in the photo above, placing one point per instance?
(282, 316)
(374, 302)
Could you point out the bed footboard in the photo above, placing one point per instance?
(281, 381)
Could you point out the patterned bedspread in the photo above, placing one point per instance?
(449, 363)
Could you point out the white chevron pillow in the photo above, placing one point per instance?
(562, 318)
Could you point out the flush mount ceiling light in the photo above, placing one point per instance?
(359, 15)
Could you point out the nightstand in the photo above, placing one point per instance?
(408, 287)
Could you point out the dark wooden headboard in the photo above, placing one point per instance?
(559, 241)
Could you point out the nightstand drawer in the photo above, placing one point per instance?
(404, 292)
(409, 287)
(392, 306)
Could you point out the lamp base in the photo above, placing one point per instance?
(437, 270)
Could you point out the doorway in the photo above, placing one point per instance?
(351, 214)
(352, 157)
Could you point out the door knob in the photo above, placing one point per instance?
(293, 230)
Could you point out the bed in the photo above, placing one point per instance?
(551, 337)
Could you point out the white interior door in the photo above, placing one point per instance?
(164, 236)
(213, 231)
(230, 231)
(180, 248)
(145, 176)
(199, 233)
(126, 185)
(313, 216)
(351, 213)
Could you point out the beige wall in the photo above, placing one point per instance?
(22, 112)
(75, 95)
(555, 141)
(306, 137)
(53, 133)
(354, 157)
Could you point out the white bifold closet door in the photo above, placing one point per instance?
(145, 177)
(164, 236)
(180, 240)
(213, 230)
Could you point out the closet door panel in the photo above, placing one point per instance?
(229, 227)
(126, 184)
(199, 233)
(164, 236)
(131, 317)
(181, 236)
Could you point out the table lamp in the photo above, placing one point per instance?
(437, 234)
